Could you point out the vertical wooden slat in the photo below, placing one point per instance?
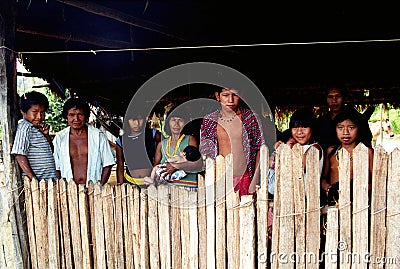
(262, 210)
(66, 235)
(84, 225)
(210, 210)
(220, 214)
(185, 231)
(93, 251)
(176, 228)
(137, 226)
(144, 231)
(202, 222)
(43, 223)
(232, 216)
(75, 225)
(99, 227)
(164, 226)
(313, 225)
(378, 205)
(360, 204)
(119, 235)
(247, 232)
(331, 244)
(393, 211)
(60, 228)
(153, 227)
(30, 221)
(286, 228)
(52, 226)
(109, 228)
(344, 208)
(127, 211)
(276, 211)
(299, 203)
(193, 230)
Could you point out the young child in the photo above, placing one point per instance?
(350, 131)
(189, 153)
(33, 148)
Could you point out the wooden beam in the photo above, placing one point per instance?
(119, 16)
(14, 239)
(84, 38)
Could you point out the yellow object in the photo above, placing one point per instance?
(167, 151)
(134, 180)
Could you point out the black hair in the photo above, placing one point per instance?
(192, 153)
(76, 103)
(350, 113)
(285, 136)
(28, 99)
(178, 112)
(302, 118)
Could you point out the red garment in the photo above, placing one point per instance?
(242, 183)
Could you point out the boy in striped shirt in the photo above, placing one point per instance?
(33, 148)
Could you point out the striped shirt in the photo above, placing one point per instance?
(31, 142)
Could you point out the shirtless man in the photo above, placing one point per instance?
(81, 151)
(222, 133)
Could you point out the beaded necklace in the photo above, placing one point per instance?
(167, 151)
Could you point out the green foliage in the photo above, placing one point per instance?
(394, 117)
(54, 113)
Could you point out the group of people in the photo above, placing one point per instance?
(82, 152)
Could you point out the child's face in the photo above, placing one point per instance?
(183, 154)
(35, 114)
(302, 135)
(347, 132)
(136, 125)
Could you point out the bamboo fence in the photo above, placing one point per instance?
(124, 226)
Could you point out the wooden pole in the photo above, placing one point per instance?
(313, 216)
(393, 211)
(109, 228)
(232, 217)
(75, 225)
(30, 221)
(176, 228)
(262, 209)
(378, 205)
(52, 226)
(119, 235)
(90, 194)
(299, 203)
(360, 204)
(98, 218)
(220, 214)
(14, 242)
(210, 210)
(66, 235)
(202, 222)
(144, 231)
(137, 226)
(247, 232)
(127, 212)
(344, 209)
(286, 228)
(331, 244)
(185, 232)
(84, 225)
(43, 223)
(193, 230)
(164, 226)
(154, 256)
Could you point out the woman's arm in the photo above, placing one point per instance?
(158, 154)
(120, 164)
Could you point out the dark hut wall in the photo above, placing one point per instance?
(296, 72)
